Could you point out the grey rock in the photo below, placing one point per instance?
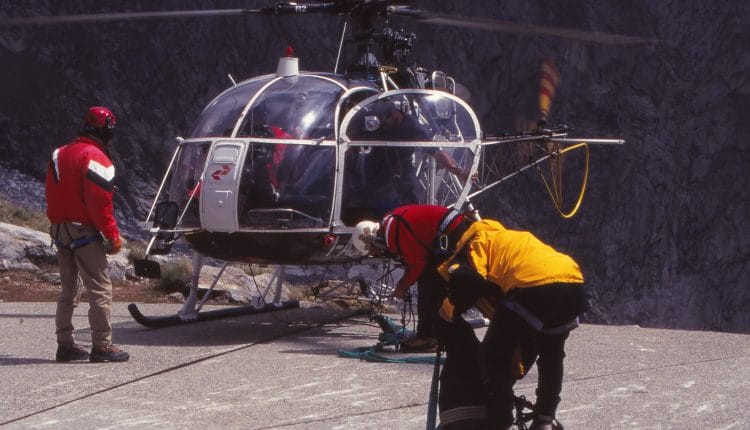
(20, 243)
(20, 247)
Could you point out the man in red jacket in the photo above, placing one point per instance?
(79, 189)
(409, 232)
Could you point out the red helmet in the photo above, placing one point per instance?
(100, 122)
(415, 232)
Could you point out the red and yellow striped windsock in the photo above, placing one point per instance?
(549, 80)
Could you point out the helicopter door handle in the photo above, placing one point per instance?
(226, 193)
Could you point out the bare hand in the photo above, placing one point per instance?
(115, 245)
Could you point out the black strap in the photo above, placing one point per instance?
(399, 218)
(441, 237)
(445, 221)
(535, 322)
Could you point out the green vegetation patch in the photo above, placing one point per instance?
(13, 214)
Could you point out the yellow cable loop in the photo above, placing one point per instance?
(555, 171)
(553, 194)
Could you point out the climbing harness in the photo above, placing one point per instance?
(77, 243)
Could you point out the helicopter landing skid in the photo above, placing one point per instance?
(190, 312)
(171, 320)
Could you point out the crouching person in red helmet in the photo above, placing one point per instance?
(412, 233)
(422, 237)
(541, 295)
(79, 190)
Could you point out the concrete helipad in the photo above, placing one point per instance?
(282, 370)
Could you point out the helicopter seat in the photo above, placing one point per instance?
(280, 218)
(315, 205)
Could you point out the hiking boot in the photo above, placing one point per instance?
(110, 353)
(71, 353)
(545, 423)
(418, 344)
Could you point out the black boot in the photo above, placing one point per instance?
(542, 422)
(71, 353)
(418, 344)
(110, 353)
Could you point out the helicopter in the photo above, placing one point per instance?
(280, 169)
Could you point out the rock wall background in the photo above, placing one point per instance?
(662, 235)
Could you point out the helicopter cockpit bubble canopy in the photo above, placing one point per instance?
(318, 152)
(262, 155)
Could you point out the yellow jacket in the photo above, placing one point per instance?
(512, 259)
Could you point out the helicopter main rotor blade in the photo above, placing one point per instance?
(280, 8)
(518, 28)
(339, 7)
(121, 16)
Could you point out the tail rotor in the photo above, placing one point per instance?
(549, 80)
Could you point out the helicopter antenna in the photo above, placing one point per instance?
(341, 45)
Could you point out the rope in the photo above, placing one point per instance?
(369, 353)
(392, 335)
(432, 406)
(555, 192)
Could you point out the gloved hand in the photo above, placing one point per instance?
(464, 288)
(114, 245)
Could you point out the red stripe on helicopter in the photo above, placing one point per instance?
(221, 172)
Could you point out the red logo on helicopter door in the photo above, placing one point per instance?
(221, 172)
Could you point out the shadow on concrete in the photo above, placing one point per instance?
(6, 360)
(29, 316)
(309, 324)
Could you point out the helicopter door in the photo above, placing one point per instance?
(218, 203)
(405, 147)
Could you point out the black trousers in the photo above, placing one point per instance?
(554, 305)
(431, 290)
(461, 378)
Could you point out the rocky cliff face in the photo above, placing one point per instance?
(662, 236)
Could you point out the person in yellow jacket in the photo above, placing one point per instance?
(541, 293)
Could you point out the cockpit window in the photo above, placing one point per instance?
(219, 118)
(416, 117)
(301, 108)
(298, 108)
(185, 186)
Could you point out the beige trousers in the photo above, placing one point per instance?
(85, 266)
